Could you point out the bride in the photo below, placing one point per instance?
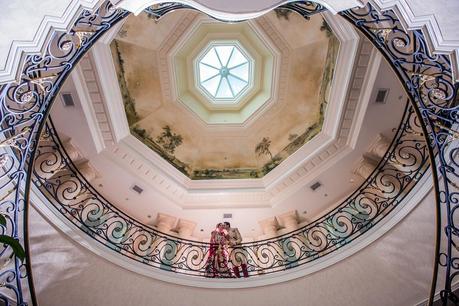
(217, 260)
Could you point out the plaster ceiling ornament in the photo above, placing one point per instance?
(192, 37)
(214, 85)
(113, 137)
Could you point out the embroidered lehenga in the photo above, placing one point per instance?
(217, 260)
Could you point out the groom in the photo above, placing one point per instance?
(235, 240)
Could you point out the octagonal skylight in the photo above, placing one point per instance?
(224, 72)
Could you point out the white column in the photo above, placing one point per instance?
(87, 170)
(289, 220)
(165, 223)
(365, 167)
(185, 228)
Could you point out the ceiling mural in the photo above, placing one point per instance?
(225, 101)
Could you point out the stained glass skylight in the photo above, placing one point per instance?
(224, 72)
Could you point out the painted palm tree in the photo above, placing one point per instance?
(263, 147)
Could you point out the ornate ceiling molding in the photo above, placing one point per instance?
(185, 42)
(341, 128)
(23, 45)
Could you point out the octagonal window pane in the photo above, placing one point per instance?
(224, 71)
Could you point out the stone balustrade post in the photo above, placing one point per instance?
(87, 170)
(289, 220)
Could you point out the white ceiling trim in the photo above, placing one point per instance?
(20, 48)
(177, 41)
(333, 122)
(88, 107)
(293, 174)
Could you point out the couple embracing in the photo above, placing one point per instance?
(226, 258)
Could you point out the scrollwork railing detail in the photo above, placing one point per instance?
(75, 198)
(25, 103)
(429, 81)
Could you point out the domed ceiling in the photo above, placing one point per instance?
(167, 109)
(220, 100)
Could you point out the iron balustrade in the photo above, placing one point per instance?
(427, 78)
(24, 106)
(73, 197)
(429, 81)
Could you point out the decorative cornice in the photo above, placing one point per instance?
(20, 48)
(178, 44)
(334, 142)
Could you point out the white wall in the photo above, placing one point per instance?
(442, 12)
(394, 270)
(21, 19)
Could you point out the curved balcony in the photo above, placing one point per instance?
(67, 187)
(430, 81)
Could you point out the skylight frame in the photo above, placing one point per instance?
(250, 72)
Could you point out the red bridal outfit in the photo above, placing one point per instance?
(217, 261)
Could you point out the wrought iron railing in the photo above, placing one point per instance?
(73, 197)
(25, 104)
(434, 92)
